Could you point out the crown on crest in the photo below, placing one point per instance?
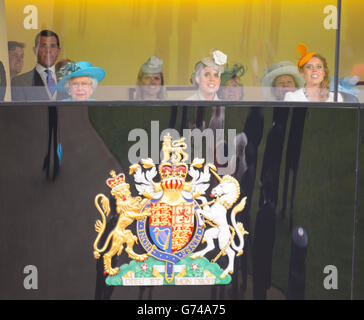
(116, 180)
(173, 167)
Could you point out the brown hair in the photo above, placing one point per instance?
(14, 44)
(274, 84)
(139, 91)
(325, 84)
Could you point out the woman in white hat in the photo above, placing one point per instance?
(207, 76)
(279, 79)
(150, 80)
(79, 80)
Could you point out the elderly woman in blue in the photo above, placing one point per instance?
(80, 80)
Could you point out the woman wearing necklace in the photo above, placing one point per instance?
(313, 68)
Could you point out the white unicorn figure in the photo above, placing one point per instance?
(226, 194)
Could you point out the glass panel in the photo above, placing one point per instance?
(58, 158)
(351, 73)
(359, 243)
(323, 199)
(323, 202)
(121, 37)
(351, 53)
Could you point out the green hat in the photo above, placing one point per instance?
(236, 71)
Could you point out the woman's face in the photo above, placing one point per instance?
(208, 82)
(232, 90)
(283, 84)
(80, 88)
(313, 72)
(151, 84)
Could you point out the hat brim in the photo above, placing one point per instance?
(92, 72)
(268, 79)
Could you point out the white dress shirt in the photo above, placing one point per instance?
(43, 75)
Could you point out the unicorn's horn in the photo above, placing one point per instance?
(213, 170)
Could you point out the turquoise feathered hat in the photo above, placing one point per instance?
(79, 69)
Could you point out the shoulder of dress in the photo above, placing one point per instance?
(297, 95)
(288, 96)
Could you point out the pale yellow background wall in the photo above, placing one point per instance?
(4, 47)
(120, 35)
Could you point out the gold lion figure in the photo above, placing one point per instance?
(128, 209)
(175, 148)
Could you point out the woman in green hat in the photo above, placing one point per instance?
(231, 87)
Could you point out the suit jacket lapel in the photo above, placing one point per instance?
(37, 80)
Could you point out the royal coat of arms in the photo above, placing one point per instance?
(176, 225)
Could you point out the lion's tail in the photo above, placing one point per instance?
(101, 225)
(240, 231)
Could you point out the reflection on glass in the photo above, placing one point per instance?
(80, 80)
(279, 81)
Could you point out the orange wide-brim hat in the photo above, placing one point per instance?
(305, 55)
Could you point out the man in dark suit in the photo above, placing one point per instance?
(39, 84)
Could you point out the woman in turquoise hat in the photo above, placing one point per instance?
(80, 80)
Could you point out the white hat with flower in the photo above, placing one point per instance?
(217, 60)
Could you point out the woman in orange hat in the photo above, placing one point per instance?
(313, 67)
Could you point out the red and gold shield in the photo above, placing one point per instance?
(171, 226)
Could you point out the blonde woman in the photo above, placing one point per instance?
(150, 80)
